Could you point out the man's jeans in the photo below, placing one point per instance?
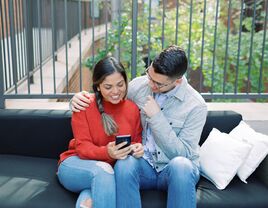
(92, 179)
(179, 178)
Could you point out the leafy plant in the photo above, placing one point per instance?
(226, 65)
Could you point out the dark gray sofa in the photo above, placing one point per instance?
(31, 141)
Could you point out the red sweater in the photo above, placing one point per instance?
(90, 139)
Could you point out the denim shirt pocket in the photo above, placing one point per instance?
(175, 124)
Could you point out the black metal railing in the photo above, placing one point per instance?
(225, 40)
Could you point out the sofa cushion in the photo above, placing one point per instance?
(27, 182)
(221, 156)
(237, 194)
(259, 151)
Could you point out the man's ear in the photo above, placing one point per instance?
(178, 81)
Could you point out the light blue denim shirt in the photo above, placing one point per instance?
(149, 146)
(177, 128)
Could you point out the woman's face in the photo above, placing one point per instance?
(113, 88)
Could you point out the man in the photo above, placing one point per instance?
(173, 115)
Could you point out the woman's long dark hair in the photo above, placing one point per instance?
(102, 69)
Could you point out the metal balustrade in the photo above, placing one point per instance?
(225, 40)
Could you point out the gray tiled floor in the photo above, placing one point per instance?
(259, 126)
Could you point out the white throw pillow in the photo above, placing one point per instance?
(221, 156)
(259, 150)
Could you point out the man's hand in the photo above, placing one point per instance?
(116, 153)
(151, 107)
(137, 150)
(80, 101)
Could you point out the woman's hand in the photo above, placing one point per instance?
(116, 153)
(137, 150)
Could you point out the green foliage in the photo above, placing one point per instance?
(221, 64)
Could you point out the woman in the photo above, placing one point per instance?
(86, 168)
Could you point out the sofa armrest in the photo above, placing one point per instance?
(224, 121)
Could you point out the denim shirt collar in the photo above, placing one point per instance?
(180, 90)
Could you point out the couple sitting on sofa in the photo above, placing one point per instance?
(172, 115)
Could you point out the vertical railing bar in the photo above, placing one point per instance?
(35, 45)
(149, 32)
(202, 47)
(251, 46)
(190, 34)
(53, 43)
(35, 57)
(163, 24)
(56, 31)
(93, 32)
(2, 86)
(26, 49)
(119, 29)
(214, 46)
(134, 38)
(106, 26)
(177, 22)
(3, 40)
(44, 36)
(85, 17)
(17, 45)
(66, 45)
(263, 47)
(13, 44)
(80, 47)
(21, 39)
(239, 46)
(20, 30)
(40, 45)
(8, 47)
(227, 45)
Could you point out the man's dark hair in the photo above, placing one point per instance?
(171, 62)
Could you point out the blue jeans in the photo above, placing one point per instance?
(92, 179)
(179, 178)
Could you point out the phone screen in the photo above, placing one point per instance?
(123, 138)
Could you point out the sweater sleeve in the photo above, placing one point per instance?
(84, 146)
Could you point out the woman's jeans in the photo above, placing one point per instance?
(179, 178)
(92, 179)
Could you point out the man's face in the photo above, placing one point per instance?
(160, 83)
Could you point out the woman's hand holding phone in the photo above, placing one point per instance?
(116, 152)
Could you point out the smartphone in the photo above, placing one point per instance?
(123, 138)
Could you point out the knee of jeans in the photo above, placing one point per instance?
(128, 165)
(106, 167)
(181, 166)
(87, 203)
